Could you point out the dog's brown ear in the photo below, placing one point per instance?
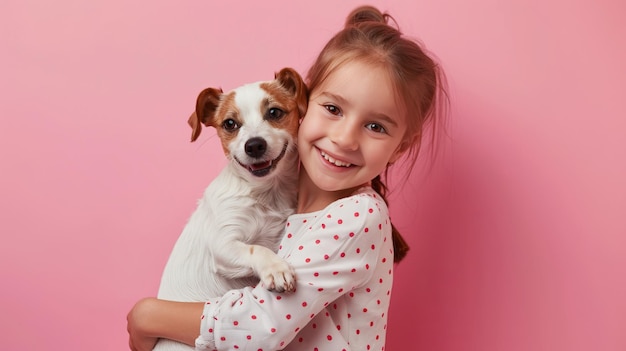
(206, 105)
(290, 79)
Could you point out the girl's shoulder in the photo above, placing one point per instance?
(364, 198)
(362, 204)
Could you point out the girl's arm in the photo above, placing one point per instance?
(151, 319)
(337, 255)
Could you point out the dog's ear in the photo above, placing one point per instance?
(292, 81)
(206, 105)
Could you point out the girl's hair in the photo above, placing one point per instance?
(417, 78)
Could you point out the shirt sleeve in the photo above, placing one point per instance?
(336, 254)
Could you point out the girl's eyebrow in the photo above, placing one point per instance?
(335, 97)
(343, 101)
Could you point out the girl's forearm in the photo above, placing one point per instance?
(179, 321)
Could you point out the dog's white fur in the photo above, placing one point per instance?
(230, 240)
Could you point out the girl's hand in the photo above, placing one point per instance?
(137, 325)
(151, 319)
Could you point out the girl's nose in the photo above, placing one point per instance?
(345, 135)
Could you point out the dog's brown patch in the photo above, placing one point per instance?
(279, 97)
(226, 110)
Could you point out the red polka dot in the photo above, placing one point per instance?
(278, 297)
(326, 257)
(371, 210)
(364, 309)
(316, 274)
(351, 234)
(253, 317)
(358, 250)
(288, 316)
(300, 339)
(223, 338)
(323, 226)
(366, 230)
(373, 247)
(317, 241)
(356, 214)
(340, 221)
(300, 247)
(289, 235)
(335, 273)
(273, 330)
(236, 323)
(358, 332)
(336, 237)
(304, 304)
(328, 216)
(329, 337)
(248, 337)
(338, 327)
(307, 260)
(343, 254)
(261, 301)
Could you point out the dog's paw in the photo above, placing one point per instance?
(278, 275)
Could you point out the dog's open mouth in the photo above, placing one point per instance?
(264, 168)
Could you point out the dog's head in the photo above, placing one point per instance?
(257, 123)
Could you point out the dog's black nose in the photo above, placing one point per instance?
(256, 147)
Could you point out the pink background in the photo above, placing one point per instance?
(518, 234)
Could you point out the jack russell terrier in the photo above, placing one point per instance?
(231, 239)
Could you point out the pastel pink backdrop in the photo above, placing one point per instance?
(517, 234)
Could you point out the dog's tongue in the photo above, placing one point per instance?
(262, 165)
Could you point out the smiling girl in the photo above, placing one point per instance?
(371, 92)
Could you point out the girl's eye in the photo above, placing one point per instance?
(375, 127)
(332, 109)
(274, 113)
(230, 125)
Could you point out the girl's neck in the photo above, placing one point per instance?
(312, 199)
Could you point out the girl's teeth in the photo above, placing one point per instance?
(335, 162)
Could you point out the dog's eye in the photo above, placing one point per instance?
(230, 124)
(274, 113)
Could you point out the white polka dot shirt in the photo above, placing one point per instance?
(343, 257)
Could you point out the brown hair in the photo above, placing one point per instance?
(417, 78)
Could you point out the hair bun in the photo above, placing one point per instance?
(365, 14)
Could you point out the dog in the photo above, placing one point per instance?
(231, 238)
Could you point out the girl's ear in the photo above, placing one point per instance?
(399, 151)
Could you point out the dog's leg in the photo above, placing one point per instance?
(235, 259)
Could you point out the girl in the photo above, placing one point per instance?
(371, 92)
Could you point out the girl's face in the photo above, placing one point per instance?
(352, 129)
